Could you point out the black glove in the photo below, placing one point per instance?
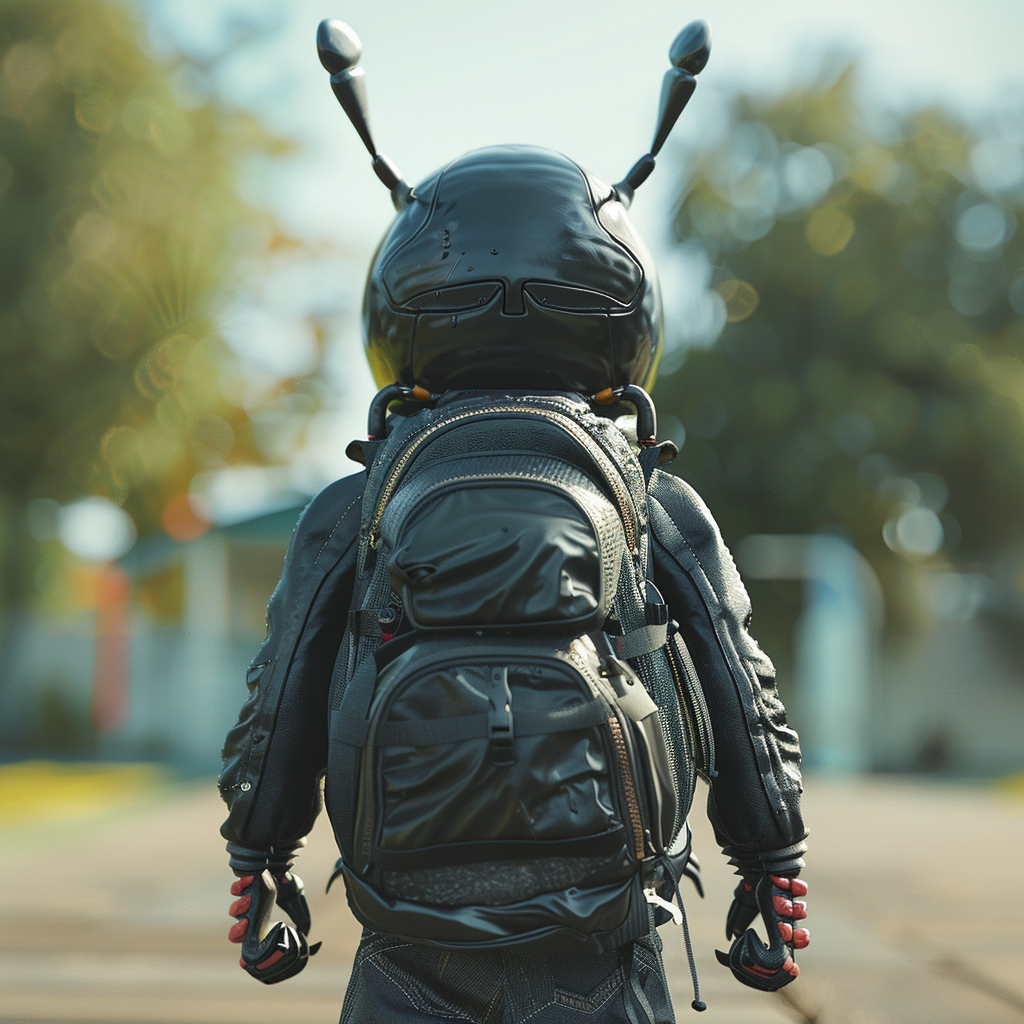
(751, 962)
(271, 953)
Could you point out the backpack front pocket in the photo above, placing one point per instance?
(473, 762)
(504, 542)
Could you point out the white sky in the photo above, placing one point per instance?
(582, 78)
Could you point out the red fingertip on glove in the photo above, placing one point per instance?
(791, 967)
(800, 937)
(240, 906)
(241, 884)
(238, 929)
(789, 908)
(796, 886)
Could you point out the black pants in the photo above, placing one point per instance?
(399, 982)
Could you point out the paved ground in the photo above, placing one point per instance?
(915, 911)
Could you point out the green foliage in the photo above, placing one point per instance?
(119, 227)
(873, 362)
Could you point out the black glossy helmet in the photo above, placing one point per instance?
(512, 267)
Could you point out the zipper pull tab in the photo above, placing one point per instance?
(649, 843)
(656, 900)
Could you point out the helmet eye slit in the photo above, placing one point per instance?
(455, 299)
(574, 300)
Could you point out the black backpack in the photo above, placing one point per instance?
(515, 726)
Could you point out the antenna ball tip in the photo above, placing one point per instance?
(692, 47)
(337, 45)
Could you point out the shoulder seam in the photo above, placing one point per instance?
(689, 546)
(334, 529)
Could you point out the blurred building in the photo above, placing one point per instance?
(950, 698)
(168, 685)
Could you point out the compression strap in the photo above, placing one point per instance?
(638, 642)
(439, 731)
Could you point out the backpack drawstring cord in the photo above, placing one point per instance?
(698, 1003)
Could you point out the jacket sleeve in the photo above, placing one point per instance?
(754, 800)
(276, 754)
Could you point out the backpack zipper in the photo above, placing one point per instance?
(621, 753)
(626, 771)
(622, 497)
(511, 474)
(702, 726)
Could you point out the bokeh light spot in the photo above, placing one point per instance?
(740, 298)
(828, 230)
(998, 164)
(807, 175)
(181, 521)
(982, 228)
(95, 529)
(916, 531)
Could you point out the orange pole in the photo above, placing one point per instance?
(110, 681)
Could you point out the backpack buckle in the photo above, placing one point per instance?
(500, 728)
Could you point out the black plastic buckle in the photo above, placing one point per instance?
(500, 727)
(655, 609)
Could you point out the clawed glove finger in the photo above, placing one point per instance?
(752, 962)
(282, 954)
(291, 900)
(743, 909)
(270, 953)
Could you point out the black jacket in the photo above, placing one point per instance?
(276, 754)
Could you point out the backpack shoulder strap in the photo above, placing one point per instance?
(347, 736)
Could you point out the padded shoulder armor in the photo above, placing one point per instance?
(272, 798)
(754, 802)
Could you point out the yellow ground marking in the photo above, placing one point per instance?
(1011, 785)
(32, 791)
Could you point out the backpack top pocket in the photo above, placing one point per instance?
(507, 541)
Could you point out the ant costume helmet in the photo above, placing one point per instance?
(512, 267)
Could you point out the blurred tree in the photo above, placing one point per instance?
(870, 374)
(121, 226)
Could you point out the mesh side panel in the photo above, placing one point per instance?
(492, 883)
(656, 675)
(612, 539)
(614, 442)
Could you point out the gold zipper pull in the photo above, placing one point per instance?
(656, 900)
